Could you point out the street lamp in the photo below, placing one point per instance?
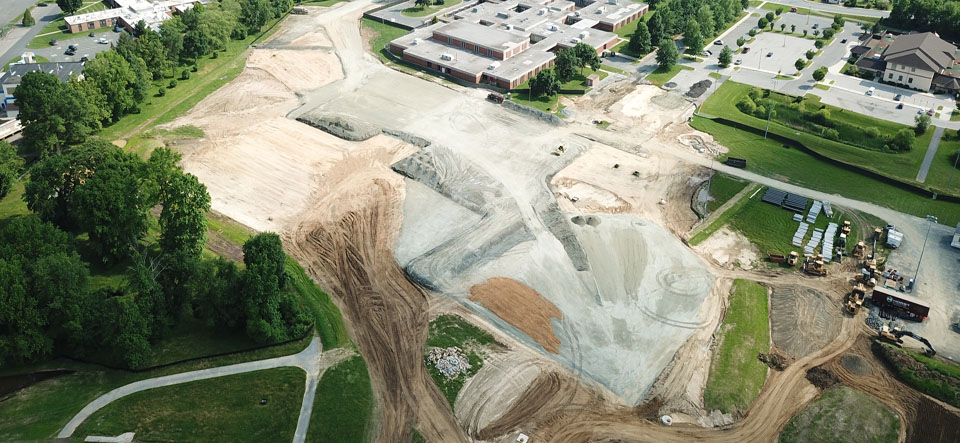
(932, 220)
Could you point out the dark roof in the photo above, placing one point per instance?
(925, 51)
(859, 50)
(870, 64)
(946, 82)
(63, 71)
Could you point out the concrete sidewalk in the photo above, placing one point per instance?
(931, 152)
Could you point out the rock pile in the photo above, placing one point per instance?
(451, 362)
(774, 361)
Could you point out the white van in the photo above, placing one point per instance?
(870, 91)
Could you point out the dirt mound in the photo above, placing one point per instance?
(698, 88)
(804, 320)
(522, 307)
(935, 423)
(343, 126)
(856, 364)
(773, 361)
(821, 378)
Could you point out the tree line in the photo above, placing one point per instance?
(940, 16)
(565, 65)
(117, 81)
(94, 206)
(698, 20)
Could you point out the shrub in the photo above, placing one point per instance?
(821, 117)
(902, 141)
(818, 44)
(185, 75)
(752, 33)
(831, 134)
(746, 106)
(161, 92)
(872, 131)
(173, 83)
(754, 94)
(810, 54)
(922, 124)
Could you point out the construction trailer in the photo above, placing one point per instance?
(956, 238)
(894, 238)
(901, 304)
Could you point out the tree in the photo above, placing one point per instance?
(149, 47)
(902, 141)
(69, 7)
(752, 33)
(124, 84)
(640, 42)
(124, 331)
(779, 11)
(655, 27)
(922, 123)
(800, 64)
(726, 55)
(782, 27)
(10, 166)
(704, 18)
(261, 283)
(565, 64)
(692, 38)
(741, 41)
(793, 28)
(183, 224)
(171, 36)
(810, 54)
(839, 21)
(818, 44)
(770, 17)
(111, 208)
(53, 114)
(805, 33)
(254, 13)
(828, 33)
(422, 3)
(667, 54)
(762, 23)
(586, 55)
(27, 18)
(218, 293)
(816, 32)
(195, 45)
(771, 26)
(544, 83)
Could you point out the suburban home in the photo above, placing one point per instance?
(126, 14)
(11, 79)
(920, 61)
(507, 43)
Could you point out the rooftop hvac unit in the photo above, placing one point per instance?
(542, 11)
(415, 42)
(584, 34)
(600, 10)
(577, 13)
(446, 57)
(552, 27)
(574, 40)
(508, 26)
(475, 9)
(493, 66)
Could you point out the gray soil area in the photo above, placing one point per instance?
(343, 126)
(856, 364)
(803, 320)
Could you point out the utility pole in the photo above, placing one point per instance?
(769, 110)
(930, 220)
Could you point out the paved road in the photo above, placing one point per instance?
(311, 360)
(13, 10)
(931, 152)
(43, 16)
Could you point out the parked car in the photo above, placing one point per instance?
(816, 26)
(930, 112)
(70, 52)
(42, 4)
(897, 97)
(718, 42)
(871, 90)
(770, 54)
(53, 42)
(793, 9)
(85, 58)
(746, 49)
(738, 62)
(103, 41)
(899, 105)
(73, 47)
(843, 41)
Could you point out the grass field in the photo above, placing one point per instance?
(736, 375)
(609, 68)
(451, 330)
(843, 414)
(224, 409)
(420, 11)
(544, 103)
(661, 76)
(343, 404)
(792, 165)
(385, 33)
(804, 11)
(722, 188)
(722, 219)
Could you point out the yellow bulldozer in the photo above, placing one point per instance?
(855, 300)
(814, 266)
(845, 229)
(859, 250)
(792, 258)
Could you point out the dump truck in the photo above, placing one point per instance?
(814, 266)
(792, 259)
(855, 300)
(900, 304)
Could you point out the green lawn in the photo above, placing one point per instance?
(769, 158)
(822, 86)
(843, 414)
(722, 188)
(222, 409)
(722, 219)
(661, 76)
(630, 28)
(451, 330)
(790, 123)
(941, 384)
(385, 34)
(609, 68)
(942, 168)
(804, 11)
(327, 316)
(343, 404)
(736, 375)
(543, 103)
(322, 2)
(420, 11)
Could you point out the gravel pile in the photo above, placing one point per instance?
(451, 362)
(699, 88)
(821, 378)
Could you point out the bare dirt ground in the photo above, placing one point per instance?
(522, 307)
(729, 249)
(342, 212)
(802, 319)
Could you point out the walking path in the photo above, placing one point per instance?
(931, 152)
(311, 360)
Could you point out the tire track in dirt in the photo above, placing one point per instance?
(348, 240)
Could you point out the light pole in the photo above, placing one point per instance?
(770, 109)
(930, 219)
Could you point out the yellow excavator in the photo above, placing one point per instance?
(894, 335)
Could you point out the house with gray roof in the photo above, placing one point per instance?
(11, 79)
(921, 61)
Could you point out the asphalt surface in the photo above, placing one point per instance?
(43, 15)
(13, 10)
(931, 152)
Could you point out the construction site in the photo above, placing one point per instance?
(407, 198)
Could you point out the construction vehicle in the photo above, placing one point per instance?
(877, 233)
(855, 301)
(814, 266)
(559, 151)
(894, 336)
(859, 250)
(494, 97)
(792, 259)
(776, 258)
(846, 227)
